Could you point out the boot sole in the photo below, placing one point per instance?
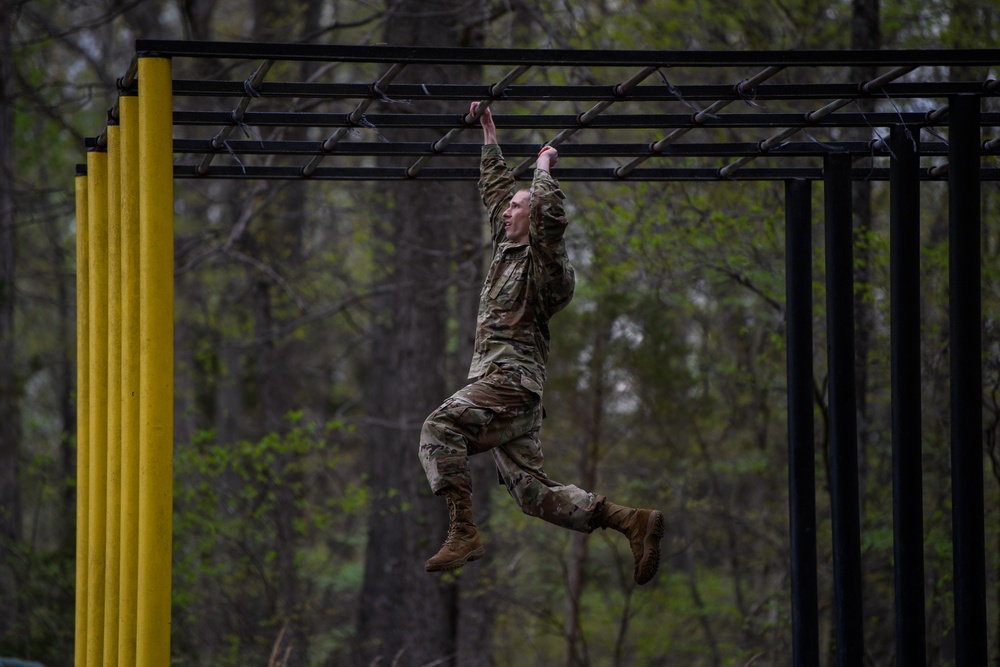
(475, 554)
(650, 563)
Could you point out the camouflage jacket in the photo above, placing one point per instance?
(526, 283)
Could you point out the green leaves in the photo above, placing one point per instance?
(250, 513)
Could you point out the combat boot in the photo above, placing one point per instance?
(644, 530)
(462, 544)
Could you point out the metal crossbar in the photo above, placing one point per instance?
(561, 57)
(358, 148)
(250, 91)
(469, 118)
(600, 141)
(355, 117)
(559, 122)
(570, 92)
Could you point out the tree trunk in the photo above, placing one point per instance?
(407, 616)
(405, 613)
(864, 35)
(66, 388)
(576, 649)
(10, 415)
(277, 242)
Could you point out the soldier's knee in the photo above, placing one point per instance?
(436, 423)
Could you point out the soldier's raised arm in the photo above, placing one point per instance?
(548, 215)
(496, 184)
(486, 120)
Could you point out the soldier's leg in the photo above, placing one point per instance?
(520, 465)
(478, 417)
(445, 444)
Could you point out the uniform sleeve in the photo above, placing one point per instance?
(548, 218)
(554, 273)
(496, 187)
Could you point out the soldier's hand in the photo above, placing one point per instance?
(547, 158)
(486, 119)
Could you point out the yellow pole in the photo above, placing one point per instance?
(82, 417)
(97, 217)
(129, 158)
(113, 535)
(156, 359)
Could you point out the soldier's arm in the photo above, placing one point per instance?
(496, 185)
(548, 223)
(548, 216)
(486, 120)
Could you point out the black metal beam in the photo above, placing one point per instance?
(965, 348)
(527, 93)
(560, 122)
(564, 174)
(844, 484)
(907, 486)
(373, 148)
(557, 57)
(801, 440)
(472, 174)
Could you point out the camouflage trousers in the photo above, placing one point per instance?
(501, 413)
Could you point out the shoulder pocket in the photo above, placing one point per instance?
(512, 274)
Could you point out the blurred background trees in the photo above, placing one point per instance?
(317, 324)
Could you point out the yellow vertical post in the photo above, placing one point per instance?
(156, 359)
(113, 532)
(129, 168)
(97, 218)
(82, 417)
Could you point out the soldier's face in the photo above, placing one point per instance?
(515, 218)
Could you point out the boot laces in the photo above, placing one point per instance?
(452, 537)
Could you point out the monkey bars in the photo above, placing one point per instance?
(616, 116)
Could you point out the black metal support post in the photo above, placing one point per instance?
(907, 487)
(966, 381)
(844, 483)
(801, 446)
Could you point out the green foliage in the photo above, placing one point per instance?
(43, 564)
(245, 513)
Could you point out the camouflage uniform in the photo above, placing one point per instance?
(501, 410)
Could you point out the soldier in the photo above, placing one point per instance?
(529, 280)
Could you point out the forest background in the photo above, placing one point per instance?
(317, 325)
